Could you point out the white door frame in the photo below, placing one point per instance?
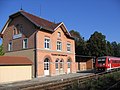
(46, 67)
(57, 69)
(61, 68)
(68, 66)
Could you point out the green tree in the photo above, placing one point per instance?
(97, 45)
(109, 49)
(1, 50)
(80, 44)
(116, 49)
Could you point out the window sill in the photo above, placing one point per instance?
(24, 48)
(47, 48)
(59, 50)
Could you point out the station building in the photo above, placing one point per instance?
(48, 45)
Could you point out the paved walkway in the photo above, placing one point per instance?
(42, 80)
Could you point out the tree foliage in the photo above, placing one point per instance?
(1, 50)
(80, 45)
(116, 49)
(96, 45)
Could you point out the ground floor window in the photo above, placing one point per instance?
(59, 66)
(56, 64)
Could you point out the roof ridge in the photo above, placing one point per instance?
(37, 16)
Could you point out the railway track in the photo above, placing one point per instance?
(58, 84)
(63, 84)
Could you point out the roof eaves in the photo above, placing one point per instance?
(5, 26)
(85, 56)
(46, 29)
(58, 26)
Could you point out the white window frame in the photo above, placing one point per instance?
(57, 64)
(46, 43)
(23, 43)
(59, 34)
(10, 46)
(59, 46)
(69, 46)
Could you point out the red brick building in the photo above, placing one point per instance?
(48, 45)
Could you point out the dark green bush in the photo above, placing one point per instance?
(100, 83)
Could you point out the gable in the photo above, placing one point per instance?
(27, 28)
(64, 29)
(35, 22)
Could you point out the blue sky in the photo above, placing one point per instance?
(84, 16)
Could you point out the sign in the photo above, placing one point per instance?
(59, 54)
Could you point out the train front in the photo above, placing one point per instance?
(101, 64)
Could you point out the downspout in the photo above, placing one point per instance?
(35, 55)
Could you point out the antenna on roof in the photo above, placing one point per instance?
(21, 8)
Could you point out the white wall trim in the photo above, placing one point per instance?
(4, 28)
(48, 50)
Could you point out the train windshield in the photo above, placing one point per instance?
(101, 60)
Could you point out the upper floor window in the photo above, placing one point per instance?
(47, 43)
(18, 28)
(68, 47)
(59, 34)
(25, 43)
(10, 46)
(17, 31)
(59, 45)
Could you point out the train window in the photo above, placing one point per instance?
(108, 60)
(101, 60)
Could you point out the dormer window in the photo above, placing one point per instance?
(59, 34)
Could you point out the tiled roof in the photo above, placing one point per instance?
(14, 60)
(40, 22)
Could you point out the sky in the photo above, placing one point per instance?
(84, 16)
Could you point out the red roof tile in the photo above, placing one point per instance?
(14, 60)
(38, 21)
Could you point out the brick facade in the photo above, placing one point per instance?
(44, 60)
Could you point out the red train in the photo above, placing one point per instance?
(107, 63)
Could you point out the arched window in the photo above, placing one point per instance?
(69, 62)
(18, 28)
(61, 64)
(46, 64)
(56, 64)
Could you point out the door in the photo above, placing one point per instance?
(69, 66)
(57, 66)
(61, 67)
(46, 67)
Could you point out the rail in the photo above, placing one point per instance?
(59, 84)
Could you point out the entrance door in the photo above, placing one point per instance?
(69, 66)
(46, 67)
(57, 66)
(61, 67)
